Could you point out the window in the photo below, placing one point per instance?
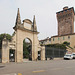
(49, 39)
(68, 37)
(53, 39)
(58, 39)
(63, 38)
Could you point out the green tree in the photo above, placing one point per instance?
(66, 43)
(62, 46)
(8, 37)
(25, 50)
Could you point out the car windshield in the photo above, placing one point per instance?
(68, 55)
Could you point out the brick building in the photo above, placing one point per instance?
(65, 20)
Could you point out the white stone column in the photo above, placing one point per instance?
(5, 51)
(19, 47)
(35, 46)
(43, 53)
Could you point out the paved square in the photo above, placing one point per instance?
(51, 67)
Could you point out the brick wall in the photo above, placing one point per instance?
(65, 20)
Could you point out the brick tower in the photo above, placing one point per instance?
(65, 20)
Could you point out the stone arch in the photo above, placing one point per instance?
(27, 29)
(28, 39)
(20, 35)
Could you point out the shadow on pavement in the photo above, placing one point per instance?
(2, 66)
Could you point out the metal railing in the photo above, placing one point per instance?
(54, 52)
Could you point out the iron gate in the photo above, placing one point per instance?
(12, 55)
(0, 55)
(39, 55)
(54, 52)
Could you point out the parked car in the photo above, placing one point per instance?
(73, 55)
(68, 56)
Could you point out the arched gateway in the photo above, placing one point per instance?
(27, 29)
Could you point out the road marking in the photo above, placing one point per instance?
(10, 74)
(38, 71)
(19, 74)
(56, 69)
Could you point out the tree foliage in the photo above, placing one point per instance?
(62, 46)
(25, 50)
(66, 43)
(8, 37)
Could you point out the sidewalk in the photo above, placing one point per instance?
(58, 59)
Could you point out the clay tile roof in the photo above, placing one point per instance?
(63, 35)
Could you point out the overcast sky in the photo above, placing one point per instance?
(44, 11)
